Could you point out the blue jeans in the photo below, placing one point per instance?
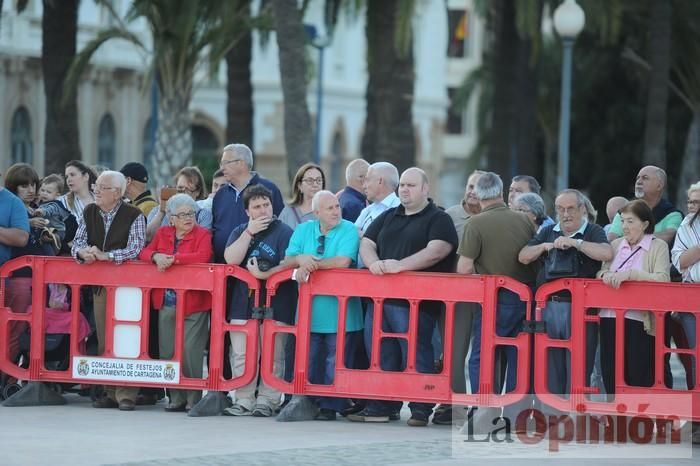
(688, 323)
(322, 364)
(510, 313)
(394, 351)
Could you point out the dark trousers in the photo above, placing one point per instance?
(638, 356)
(322, 364)
(394, 351)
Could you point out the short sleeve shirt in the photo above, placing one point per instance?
(398, 235)
(269, 247)
(493, 239)
(343, 240)
(13, 214)
(590, 232)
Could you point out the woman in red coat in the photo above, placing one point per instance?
(183, 242)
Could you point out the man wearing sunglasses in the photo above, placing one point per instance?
(326, 243)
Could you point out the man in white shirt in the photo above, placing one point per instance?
(380, 188)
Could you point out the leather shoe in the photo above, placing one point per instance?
(105, 402)
(173, 408)
(126, 405)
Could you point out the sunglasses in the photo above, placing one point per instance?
(321, 245)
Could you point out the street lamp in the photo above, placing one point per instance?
(569, 20)
(319, 43)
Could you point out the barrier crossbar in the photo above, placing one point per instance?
(408, 384)
(658, 298)
(141, 276)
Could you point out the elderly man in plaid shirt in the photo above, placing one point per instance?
(113, 231)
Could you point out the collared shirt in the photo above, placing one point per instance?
(459, 217)
(375, 209)
(134, 244)
(581, 229)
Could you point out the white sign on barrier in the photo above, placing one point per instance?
(126, 370)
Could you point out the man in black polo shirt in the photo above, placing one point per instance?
(574, 235)
(415, 236)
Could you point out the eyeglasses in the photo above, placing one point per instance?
(567, 210)
(312, 180)
(521, 209)
(321, 245)
(182, 189)
(100, 187)
(223, 163)
(693, 202)
(184, 215)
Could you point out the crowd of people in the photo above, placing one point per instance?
(383, 221)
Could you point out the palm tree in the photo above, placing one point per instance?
(184, 37)
(389, 134)
(291, 42)
(59, 25)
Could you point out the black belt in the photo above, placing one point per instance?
(559, 299)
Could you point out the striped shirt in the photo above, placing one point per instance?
(78, 205)
(687, 237)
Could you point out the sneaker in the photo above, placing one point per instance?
(262, 411)
(418, 419)
(237, 410)
(126, 405)
(174, 408)
(325, 414)
(105, 402)
(367, 416)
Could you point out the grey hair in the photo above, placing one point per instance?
(242, 151)
(117, 177)
(317, 198)
(353, 167)
(531, 182)
(661, 175)
(694, 187)
(536, 205)
(179, 200)
(387, 171)
(580, 198)
(489, 186)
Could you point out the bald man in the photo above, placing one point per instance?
(649, 187)
(614, 204)
(415, 236)
(352, 197)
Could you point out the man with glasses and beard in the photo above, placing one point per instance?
(326, 243)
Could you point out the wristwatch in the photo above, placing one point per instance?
(579, 242)
(110, 255)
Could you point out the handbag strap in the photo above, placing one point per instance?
(628, 258)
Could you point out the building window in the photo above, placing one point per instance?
(458, 44)
(106, 142)
(456, 116)
(205, 150)
(21, 137)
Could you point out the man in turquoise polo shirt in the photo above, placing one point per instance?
(649, 187)
(327, 243)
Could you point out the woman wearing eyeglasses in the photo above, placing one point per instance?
(182, 242)
(308, 181)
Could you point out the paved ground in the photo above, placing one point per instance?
(77, 434)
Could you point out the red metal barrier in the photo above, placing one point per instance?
(659, 298)
(145, 277)
(409, 384)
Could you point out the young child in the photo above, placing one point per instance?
(50, 208)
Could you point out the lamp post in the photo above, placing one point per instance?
(569, 20)
(319, 43)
